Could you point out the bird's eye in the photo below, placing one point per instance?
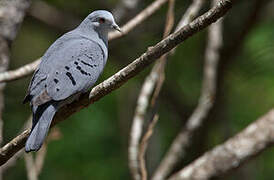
(102, 20)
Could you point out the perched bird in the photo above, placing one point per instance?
(70, 66)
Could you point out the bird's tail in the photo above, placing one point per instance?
(42, 117)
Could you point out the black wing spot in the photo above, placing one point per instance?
(82, 71)
(66, 67)
(71, 78)
(56, 72)
(87, 64)
(45, 86)
(55, 80)
(57, 89)
(90, 57)
(76, 63)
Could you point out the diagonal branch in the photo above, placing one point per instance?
(20, 72)
(235, 151)
(176, 149)
(30, 68)
(191, 12)
(143, 146)
(121, 77)
(143, 15)
(146, 92)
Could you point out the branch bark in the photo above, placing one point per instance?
(126, 73)
(234, 152)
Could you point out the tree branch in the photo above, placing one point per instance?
(20, 72)
(126, 73)
(143, 146)
(30, 167)
(143, 15)
(179, 144)
(138, 123)
(146, 92)
(235, 151)
(191, 12)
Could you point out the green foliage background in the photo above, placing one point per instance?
(94, 141)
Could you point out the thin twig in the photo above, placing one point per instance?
(18, 155)
(191, 13)
(124, 7)
(234, 152)
(161, 64)
(34, 165)
(137, 125)
(52, 16)
(143, 15)
(54, 135)
(20, 72)
(121, 77)
(30, 68)
(142, 104)
(30, 166)
(143, 146)
(206, 100)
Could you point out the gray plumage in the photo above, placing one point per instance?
(69, 67)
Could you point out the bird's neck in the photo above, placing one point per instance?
(103, 35)
(100, 36)
(93, 32)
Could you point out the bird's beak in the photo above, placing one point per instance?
(117, 28)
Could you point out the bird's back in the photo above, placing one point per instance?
(72, 64)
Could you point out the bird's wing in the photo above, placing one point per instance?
(75, 68)
(38, 81)
(72, 69)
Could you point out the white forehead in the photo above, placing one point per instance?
(101, 14)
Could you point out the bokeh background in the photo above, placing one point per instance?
(94, 141)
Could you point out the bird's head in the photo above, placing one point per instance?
(103, 20)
